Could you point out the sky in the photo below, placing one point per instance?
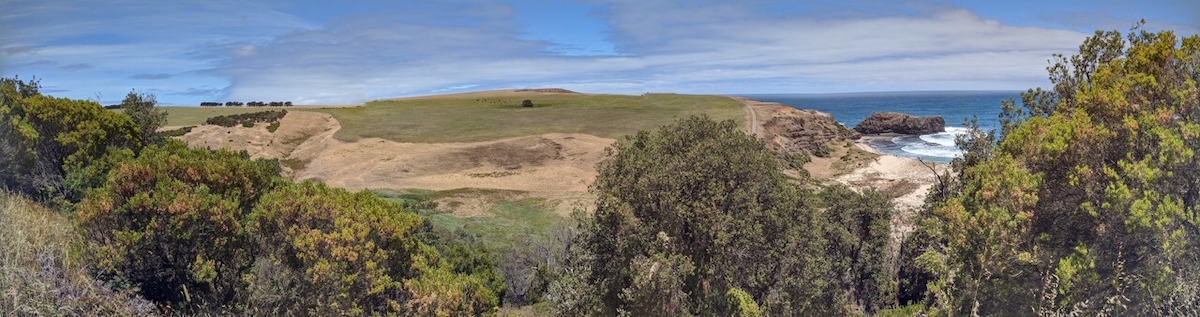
(346, 52)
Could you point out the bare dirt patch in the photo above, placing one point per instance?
(556, 166)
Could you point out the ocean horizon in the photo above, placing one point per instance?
(956, 107)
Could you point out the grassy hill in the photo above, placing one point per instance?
(504, 217)
(490, 116)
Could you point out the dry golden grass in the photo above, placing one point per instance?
(40, 270)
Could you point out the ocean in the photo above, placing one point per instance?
(954, 106)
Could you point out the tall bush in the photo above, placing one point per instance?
(171, 222)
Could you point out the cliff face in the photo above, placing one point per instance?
(791, 130)
(895, 122)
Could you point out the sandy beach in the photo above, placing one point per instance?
(906, 180)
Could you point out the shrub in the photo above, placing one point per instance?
(178, 132)
(246, 119)
(331, 252)
(527, 103)
(709, 204)
(44, 137)
(351, 252)
(170, 222)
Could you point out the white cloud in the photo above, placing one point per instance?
(238, 51)
(676, 48)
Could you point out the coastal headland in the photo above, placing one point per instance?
(473, 153)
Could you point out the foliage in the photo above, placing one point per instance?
(859, 238)
(178, 132)
(1089, 197)
(171, 222)
(40, 273)
(142, 109)
(246, 119)
(351, 252)
(45, 137)
(690, 211)
(741, 304)
(657, 286)
(212, 232)
(534, 263)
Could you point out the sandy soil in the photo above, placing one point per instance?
(557, 166)
(906, 180)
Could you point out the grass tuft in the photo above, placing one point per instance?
(40, 270)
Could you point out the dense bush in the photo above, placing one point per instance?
(350, 252)
(247, 119)
(212, 232)
(859, 234)
(690, 213)
(43, 138)
(171, 222)
(1087, 202)
(179, 132)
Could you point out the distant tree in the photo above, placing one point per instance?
(143, 110)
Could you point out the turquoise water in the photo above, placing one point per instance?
(955, 106)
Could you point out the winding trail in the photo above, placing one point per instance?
(753, 122)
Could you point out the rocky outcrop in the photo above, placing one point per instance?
(895, 122)
(789, 130)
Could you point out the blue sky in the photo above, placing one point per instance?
(345, 52)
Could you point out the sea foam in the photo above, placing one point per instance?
(936, 145)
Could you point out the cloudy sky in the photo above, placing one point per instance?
(339, 52)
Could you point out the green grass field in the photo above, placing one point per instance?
(468, 118)
(508, 221)
(459, 118)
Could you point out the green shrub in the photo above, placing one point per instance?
(44, 137)
(177, 132)
(170, 222)
(246, 119)
(741, 304)
(708, 204)
(351, 251)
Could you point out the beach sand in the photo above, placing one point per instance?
(904, 179)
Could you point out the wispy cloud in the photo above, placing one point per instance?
(661, 48)
(328, 53)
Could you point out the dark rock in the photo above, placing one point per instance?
(895, 122)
